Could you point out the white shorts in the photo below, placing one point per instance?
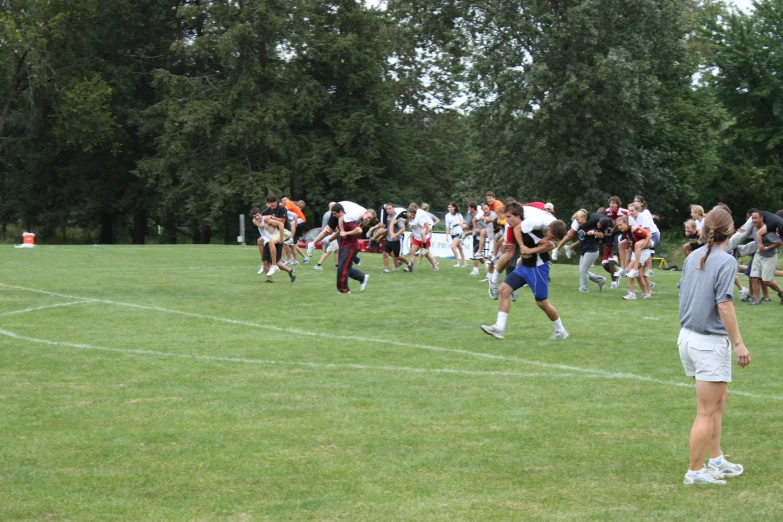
(333, 246)
(706, 357)
(643, 257)
(764, 267)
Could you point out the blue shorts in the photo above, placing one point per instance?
(655, 239)
(536, 278)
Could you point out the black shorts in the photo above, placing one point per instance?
(476, 241)
(392, 247)
(267, 256)
(456, 236)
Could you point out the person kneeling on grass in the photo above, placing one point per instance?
(708, 329)
(532, 270)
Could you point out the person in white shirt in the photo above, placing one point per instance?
(455, 225)
(353, 213)
(421, 227)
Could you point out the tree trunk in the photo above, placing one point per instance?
(107, 228)
(171, 229)
(139, 226)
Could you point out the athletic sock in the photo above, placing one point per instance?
(501, 322)
(558, 325)
(696, 473)
(717, 461)
(495, 277)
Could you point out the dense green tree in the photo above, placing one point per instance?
(746, 65)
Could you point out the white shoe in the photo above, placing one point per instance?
(463, 266)
(553, 255)
(493, 330)
(601, 285)
(725, 470)
(363, 286)
(632, 274)
(648, 274)
(292, 263)
(494, 290)
(702, 477)
(569, 252)
(435, 268)
(474, 272)
(272, 271)
(306, 260)
(652, 285)
(261, 270)
(318, 267)
(560, 335)
(621, 272)
(615, 283)
(514, 296)
(310, 249)
(646, 296)
(744, 293)
(485, 280)
(629, 296)
(385, 271)
(456, 265)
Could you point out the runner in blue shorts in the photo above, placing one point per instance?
(535, 243)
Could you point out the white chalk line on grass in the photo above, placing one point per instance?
(214, 358)
(553, 366)
(27, 310)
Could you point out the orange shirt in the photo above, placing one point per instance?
(293, 207)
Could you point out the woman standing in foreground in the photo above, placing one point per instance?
(708, 324)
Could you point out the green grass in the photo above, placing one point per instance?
(188, 390)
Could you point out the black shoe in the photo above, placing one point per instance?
(268, 281)
(292, 274)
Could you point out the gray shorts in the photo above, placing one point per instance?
(706, 357)
(764, 267)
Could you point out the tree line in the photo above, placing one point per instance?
(119, 115)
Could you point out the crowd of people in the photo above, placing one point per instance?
(521, 240)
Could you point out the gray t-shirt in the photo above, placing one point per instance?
(325, 219)
(769, 239)
(399, 225)
(702, 290)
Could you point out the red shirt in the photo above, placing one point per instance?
(620, 212)
(535, 204)
(350, 241)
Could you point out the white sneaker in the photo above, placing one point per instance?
(563, 334)
(569, 252)
(514, 296)
(363, 286)
(306, 260)
(261, 270)
(621, 272)
(615, 283)
(272, 271)
(648, 274)
(601, 285)
(310, 249)
(553, 255)
(492, 330)
(474, 272)
(632, 274)
(652, 285)
(385, 271)
(292, 263)
(464, 266)
(702, 477)
(725, 470)
(485, 280)
(494, 290)
(744, 293)
(318, 267)
(629, 296)
(456, 265)
(646, 296)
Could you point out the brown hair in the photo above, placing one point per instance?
(617, 200)
(718, 227)
(558, 229)
(621, 219)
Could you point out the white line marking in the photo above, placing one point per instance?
(281, 363)
(564, 367)
(77, 269)
(26, 310)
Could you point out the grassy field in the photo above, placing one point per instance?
(169, 383)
